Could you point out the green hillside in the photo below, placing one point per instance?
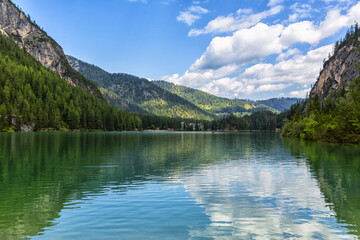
(134, 94)
(35, 98)
(213, 104)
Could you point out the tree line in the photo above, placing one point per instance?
(334, 120)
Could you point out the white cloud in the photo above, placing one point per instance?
(287, 54)
(263, 77)
(301, 8)
(243, 18)
(197, 78)
(226, 87)
(191, 15)
(242, 47)
(274, 2)
(307, 32)
(301, 69)
(271, 87)
(301, 93)
(300, 11)
(187, 17)
(215, 70)
(198, 10)
(247, 45)
(293, 17)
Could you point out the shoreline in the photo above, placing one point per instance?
(104, 131)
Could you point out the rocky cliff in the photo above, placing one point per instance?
(17, 26)
(339, 70)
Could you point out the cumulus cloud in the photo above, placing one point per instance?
(243, 18)
(301, 69)
(242, 47)
(226, 87)
(191, 15)
(227, 56)
(247, 45)
(198, 77)
(264, 77)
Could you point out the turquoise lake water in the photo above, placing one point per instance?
(168, 185)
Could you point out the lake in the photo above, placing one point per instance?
(168, 185)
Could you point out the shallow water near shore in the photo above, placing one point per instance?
(176, 185)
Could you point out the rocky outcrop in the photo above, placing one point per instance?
(338, 71)
(16, 25)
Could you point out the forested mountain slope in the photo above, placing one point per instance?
(332, 113)
(138, 95)
(213, 104)
(28, 35)
(35, 98)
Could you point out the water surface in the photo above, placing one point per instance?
(176, 186)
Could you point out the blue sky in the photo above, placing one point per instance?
(230, 48)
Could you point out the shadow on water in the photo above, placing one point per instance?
(42, 173)
(336, 169)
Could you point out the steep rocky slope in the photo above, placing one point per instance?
(28, 35)
(339, 70)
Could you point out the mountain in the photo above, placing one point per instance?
(28, 35)
(332, 112)
(34, 98)
(138, 95)
(280, 104)
(213, 104)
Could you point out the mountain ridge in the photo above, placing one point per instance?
(18, 26)
(225, 106)
(139, 95)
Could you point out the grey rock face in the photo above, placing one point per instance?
(338, 71)
(17, 26)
